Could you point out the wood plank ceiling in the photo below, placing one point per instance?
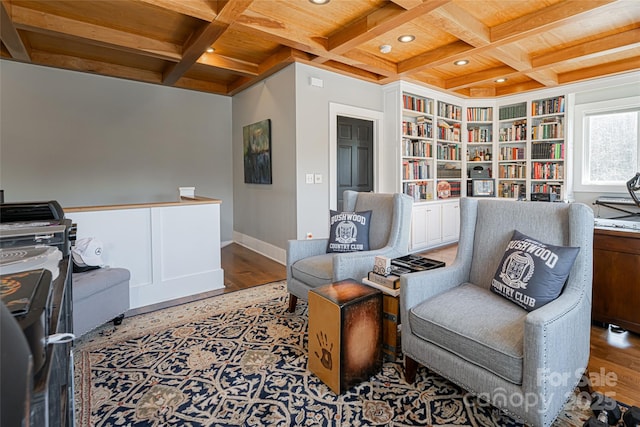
(532, 43)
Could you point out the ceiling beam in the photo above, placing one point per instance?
(299, 38)
(283, 57)
(230, 64)
(458, 22)
(203, 9)
(435, 57)
(203, 38)
(202, 86)
(9, 35)
(378, 22)
(44, 23)
(602, 46)
(545, 19)
(484, 76)
(494, 41)
(96, 67)
(600, 70)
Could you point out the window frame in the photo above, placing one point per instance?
(581, 156)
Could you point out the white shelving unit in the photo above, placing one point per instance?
(417, 147)
(548, 148)
(479, 138)
(412, 119)
(440, 139)
(449, 150)
(512, 150)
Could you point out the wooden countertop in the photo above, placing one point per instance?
(197, 200)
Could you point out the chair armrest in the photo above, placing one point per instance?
(556, 345)
(300, 249)
(356, 265)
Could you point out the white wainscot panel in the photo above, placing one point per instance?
(171, 252)
(126, 238)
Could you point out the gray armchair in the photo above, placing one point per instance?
(309, 265)
(525, 363)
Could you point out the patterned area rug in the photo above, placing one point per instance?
(240, 359)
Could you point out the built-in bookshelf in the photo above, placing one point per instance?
(479, 138)
(417, 147)
(449, 150)
(512, 151)
(548, 169)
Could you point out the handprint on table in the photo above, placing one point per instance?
(325, 359)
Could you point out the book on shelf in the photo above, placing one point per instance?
(391, 281)
(479, 114)
(548, 106)
(512, 111)
(414, 103)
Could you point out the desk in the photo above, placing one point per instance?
(616, 278)
(621, 204)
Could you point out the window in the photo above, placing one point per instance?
(607, 145)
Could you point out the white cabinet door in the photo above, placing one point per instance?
(434, 229)
(419, 220)
(450, 221)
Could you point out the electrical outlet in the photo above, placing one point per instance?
(318, 178)
(309, 178)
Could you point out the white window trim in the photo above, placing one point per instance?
(581, 160)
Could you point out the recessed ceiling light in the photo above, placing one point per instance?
(385, 48)
(319, 1)
(461, 62)
(210, 50)
(502, 80)
(406, 38)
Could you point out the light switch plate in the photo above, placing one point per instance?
(309, 178)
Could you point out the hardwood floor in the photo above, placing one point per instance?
(614, 362)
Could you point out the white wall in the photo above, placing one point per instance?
(84, 140)
(312, 138)
(616, 89)
(265, 215)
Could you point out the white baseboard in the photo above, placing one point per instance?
(275, 253)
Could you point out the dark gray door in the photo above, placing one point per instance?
(355, 156)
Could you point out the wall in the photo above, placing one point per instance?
(626, 87)
(265, 215)
(86, 140)
(312, 138)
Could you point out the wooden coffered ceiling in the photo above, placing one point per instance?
(532, 43)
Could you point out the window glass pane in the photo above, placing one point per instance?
(613, 147)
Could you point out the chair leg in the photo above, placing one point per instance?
(585, 385)
(410, 369)
(293, 300)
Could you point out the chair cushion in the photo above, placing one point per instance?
(314, 271)
(349, 231)
(476, 325)
(95, 281)
(531, 273)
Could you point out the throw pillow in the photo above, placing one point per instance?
(349, 231)
(531, 273)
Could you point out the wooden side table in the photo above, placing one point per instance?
(345, 333)
(390, 320)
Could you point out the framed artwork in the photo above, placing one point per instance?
(482, 188)
(257, 152)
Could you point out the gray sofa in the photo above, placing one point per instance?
(525, 363)
(309, 265)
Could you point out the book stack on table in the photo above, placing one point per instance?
(390, 283)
